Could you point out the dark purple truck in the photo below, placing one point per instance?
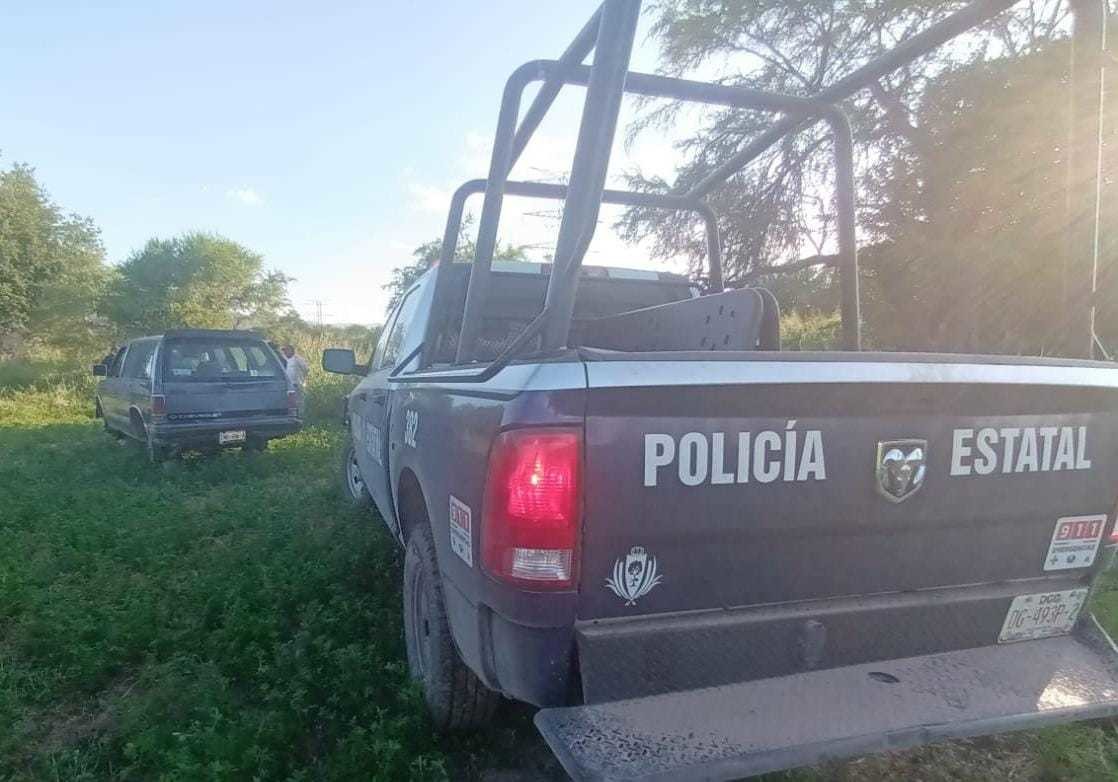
(702, 556)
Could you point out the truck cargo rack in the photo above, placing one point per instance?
(610, 34)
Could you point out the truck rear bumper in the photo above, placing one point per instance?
(621, 659)
(765, 725)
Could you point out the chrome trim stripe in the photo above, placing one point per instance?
(639, 374)
(512, 379)
(643, 374)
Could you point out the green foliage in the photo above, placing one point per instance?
(810, 331)
(972, 229)
(961, 166)
(226, 618)
(52, 268)
(1080, 753)
(195, 280)
(781, 206)
(427, 254)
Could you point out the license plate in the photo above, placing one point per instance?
(1042, 615)
(237, 436)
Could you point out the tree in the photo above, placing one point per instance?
(960, 167)
(780, 207)
(195, 280)
(52, 268)
(427, 254)
(972, 236)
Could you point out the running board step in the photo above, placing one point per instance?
(767, 725)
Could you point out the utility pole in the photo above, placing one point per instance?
(319, 315)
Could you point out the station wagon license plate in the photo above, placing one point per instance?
(236, 436)
(1042, 615)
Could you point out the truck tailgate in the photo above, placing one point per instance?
(772, 724)
(801, 514)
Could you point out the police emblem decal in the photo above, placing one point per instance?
(900, 468)
(634, 575)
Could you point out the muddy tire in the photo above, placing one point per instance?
(456, 699)
(353, 484)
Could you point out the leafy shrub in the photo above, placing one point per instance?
(810, 331)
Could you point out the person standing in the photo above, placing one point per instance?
(296, 370)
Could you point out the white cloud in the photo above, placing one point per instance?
(244, 195)
(427, 198)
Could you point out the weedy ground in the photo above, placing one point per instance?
(230, 618)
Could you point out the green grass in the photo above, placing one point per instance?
(227, 618)
(231, 618)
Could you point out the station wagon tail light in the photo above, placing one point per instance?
(531, 516)
(158, 404)
(292, 402)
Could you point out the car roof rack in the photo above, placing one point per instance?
(228, 333)
(609, 34)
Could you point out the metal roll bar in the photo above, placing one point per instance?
(609, 34)
(505, 150)
(448, 251)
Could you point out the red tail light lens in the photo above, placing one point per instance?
(292, 402)
(531, 517)
(158, 404)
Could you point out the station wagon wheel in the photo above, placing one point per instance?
(353, 475)
(353, 483)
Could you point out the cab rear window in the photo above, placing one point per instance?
(209, 360)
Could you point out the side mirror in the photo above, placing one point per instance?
(100, 370)
(340, 361)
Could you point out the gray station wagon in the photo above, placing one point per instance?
(197, 389)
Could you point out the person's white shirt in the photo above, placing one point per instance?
(297, 370)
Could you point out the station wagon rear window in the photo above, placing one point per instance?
(210, 359)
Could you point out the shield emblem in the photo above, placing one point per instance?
(900, 468)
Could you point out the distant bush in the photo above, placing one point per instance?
(44, 373)
(810, 331)
(57, 388)
(325, 397)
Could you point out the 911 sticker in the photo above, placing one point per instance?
(1075, 542)
(461, 539)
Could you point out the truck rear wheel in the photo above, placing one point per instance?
(353, 483)
(456, 699)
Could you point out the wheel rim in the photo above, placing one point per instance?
(353, 476)
(420, 624)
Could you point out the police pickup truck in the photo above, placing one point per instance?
(700, 555)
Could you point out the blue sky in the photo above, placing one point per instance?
(327, 136)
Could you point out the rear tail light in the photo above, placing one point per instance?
(532, 512)
(158, 404)
(292, 402)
